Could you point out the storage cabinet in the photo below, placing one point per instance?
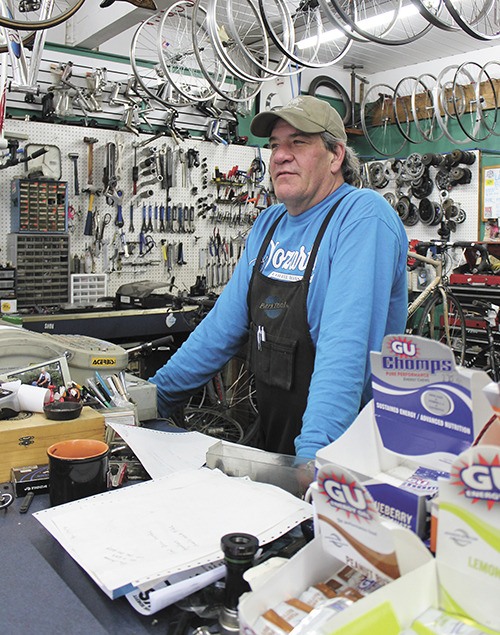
(42, 262)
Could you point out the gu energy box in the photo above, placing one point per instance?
(313, 623)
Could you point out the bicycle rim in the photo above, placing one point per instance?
(389, 23)
(32, 16)
(422, 106)
(378, 121)
(476, 93)
(213, 423)
(478, 18)
(490, 111)
(403, 111)
(447, 103)
(177, 57)
(226, 85)
(437, 14)
(432, 324)
(145, 62)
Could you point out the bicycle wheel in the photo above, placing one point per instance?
(378, 121)
(422, 107)
(228, 85)
(478, 18)
(177, 58)
(31, 15)
(472, 119)
(489, 109)
(433, 320)
(387, 23)
(437, 14)
(403, 111)
(145, 62)
(305, 41)
(213, 423)
(448, 103)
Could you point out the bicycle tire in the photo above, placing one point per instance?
(339, 94)
(482, 360)
(35, 21)
(437, 14)
(213, 423)
(449, 103)
(431, 326)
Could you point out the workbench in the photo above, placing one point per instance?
(117, 326)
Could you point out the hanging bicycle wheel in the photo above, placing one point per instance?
(307, 40)
(177, 57)
(403, 110)
(436, 314)
(145, 62)
(378, 121)
(33, 15)
(389, 23)
(213, 423)
(240, 39)
(230, 85)
(478, 18)
(490, 107)
(472, 119)
(448, 103)
(437, 14)
(422, 106)
(278, 24)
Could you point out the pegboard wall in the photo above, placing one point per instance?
(216, 201)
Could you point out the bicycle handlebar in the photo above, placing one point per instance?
(149, 346)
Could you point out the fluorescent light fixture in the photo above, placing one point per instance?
(367, 24)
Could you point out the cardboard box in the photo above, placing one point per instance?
(425, 412)
(349, 531)
(25, 441)
(31, 478)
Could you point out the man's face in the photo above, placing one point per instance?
(303, 171)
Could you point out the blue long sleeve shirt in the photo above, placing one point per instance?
(358, 294)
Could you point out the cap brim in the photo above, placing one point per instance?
(262, 124)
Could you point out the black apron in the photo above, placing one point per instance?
(281, 350)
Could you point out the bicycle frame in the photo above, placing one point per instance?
(437, 283)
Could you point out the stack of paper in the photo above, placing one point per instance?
(139, 535)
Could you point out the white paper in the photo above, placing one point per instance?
(175, 588)
(163, 453)
(141, 534)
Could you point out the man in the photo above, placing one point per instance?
(322, 279)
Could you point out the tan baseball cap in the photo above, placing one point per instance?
(306, 113)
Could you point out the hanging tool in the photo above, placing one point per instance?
(135, 173)
(74, 158)
(90, 141)
(131, 222)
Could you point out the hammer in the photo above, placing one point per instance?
(74, 157)
(90, 159)
(92, 191)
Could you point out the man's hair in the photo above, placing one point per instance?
(351, 169)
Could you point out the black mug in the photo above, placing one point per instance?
(77, 468)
